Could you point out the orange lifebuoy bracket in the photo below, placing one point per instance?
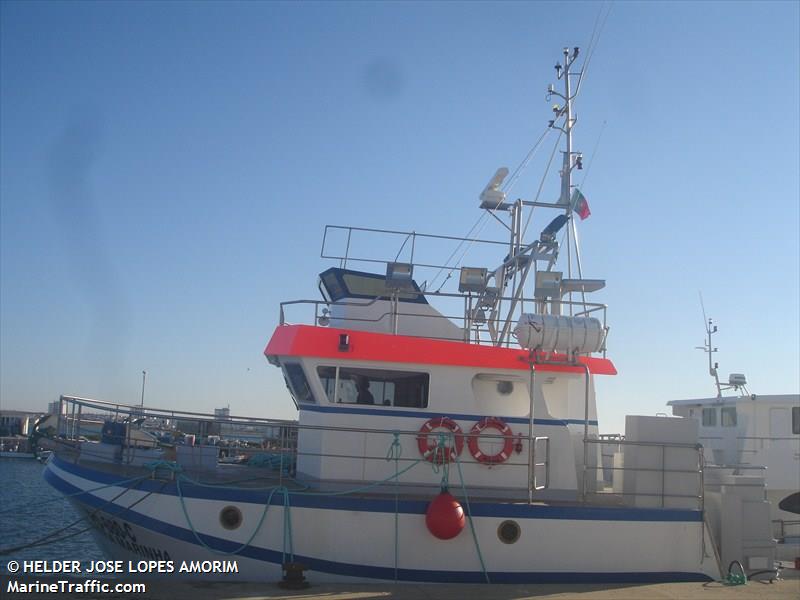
(429, 450)
(505, 431)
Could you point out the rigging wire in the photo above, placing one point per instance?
(594, 153)
(515, 175)
(507, 188)
(541, 183)
(594, 38)
(455, 251)
(481, 223)
(593, 41)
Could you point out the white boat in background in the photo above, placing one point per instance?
(753, 433)
(443, 434)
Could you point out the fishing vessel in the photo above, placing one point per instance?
(752, 433)
(444, 433)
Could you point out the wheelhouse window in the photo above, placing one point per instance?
(346, 385)
(709, 417)
(341, 284)
(796, 419)
(297, 383)
(728, 416)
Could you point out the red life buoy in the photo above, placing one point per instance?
(428, 447)
(505, 431)
(445, 517)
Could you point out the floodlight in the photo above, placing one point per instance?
(548, 284)
(399, 276)
(472, 279)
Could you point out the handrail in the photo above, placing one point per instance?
(286, 441)
(153, 411)
(156, 413)
(464, 321)
(663, 470)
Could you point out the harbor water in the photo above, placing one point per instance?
(31, 510)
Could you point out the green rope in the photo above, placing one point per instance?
(65, 496)
(245, 544)
(169, 466)
(394, 453)
(469, 518)
(365, 488)
(287, 527)
(439, 464)
(735, 578)
(49, 538)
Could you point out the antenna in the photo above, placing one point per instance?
(735, 380)
(711, 329)
(702, 307)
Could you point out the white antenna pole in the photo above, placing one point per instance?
(711, 329)
(566, 181)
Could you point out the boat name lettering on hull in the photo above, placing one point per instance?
(122, 535)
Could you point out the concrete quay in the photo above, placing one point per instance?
(787, 589)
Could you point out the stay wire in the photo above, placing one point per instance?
(594, 153)
(470, 240)
(541, 183)
(45, 540)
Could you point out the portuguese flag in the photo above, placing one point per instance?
(579, 204)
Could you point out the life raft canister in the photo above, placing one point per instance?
(429, 449)
(505, 431)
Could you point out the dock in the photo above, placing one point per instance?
(788, 589)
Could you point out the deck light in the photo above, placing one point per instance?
(399, 276)
(472, 279)
(548, 285)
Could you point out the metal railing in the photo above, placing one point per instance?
(661, 471)
(282, 441)
(407, 236)
(471, 331)
(780, 526)
(514, 269)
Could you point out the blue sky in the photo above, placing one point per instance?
(166, 170)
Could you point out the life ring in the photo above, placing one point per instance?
(428, 449)
(505, 431)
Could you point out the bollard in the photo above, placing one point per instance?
(293, 578)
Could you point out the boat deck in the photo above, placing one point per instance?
(245, 477)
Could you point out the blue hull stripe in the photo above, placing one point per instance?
(353, 570)
(385, 412)
(520, 510)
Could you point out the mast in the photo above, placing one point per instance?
(713, 367)
(571, 159)
(522, 257)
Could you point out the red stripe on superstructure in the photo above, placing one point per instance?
(323, 342)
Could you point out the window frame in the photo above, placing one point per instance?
(335, 286)
(290, 384)
(378, 404)
(728, 410)
(709, 410)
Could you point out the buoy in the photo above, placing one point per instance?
(429, 448)
(445, 517)
(508, 441)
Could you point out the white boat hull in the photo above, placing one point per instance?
(359, 539)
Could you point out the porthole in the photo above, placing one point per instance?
(508, 532)
(505, 387)
(230, 517)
